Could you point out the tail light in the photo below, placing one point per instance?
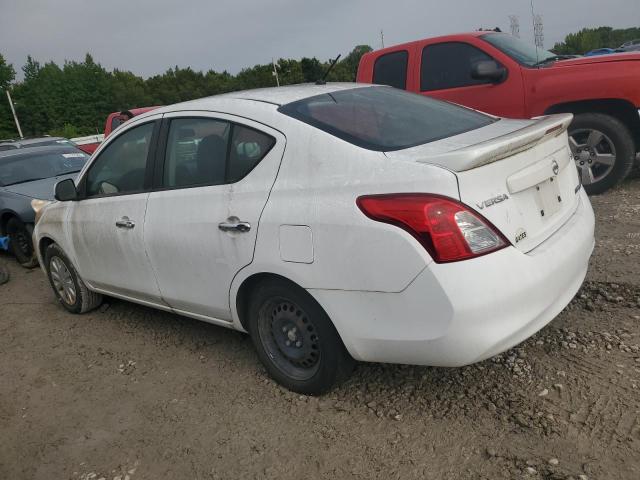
(449, 230)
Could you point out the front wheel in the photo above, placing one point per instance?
(21, 244)
(67, 285)
(295, 339)
(603, 149)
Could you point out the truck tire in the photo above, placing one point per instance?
(20, 243)
(603, 149)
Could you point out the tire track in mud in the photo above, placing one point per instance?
(596, 403)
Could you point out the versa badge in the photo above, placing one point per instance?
(492, 201)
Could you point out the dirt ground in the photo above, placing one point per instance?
(130, 393)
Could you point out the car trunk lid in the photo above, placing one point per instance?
(524, 181)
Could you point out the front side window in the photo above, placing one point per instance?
(391, 69)
(383, 118)
(206, 151)
(449, 65)
(121, 166)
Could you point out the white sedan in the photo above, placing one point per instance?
(330, 222)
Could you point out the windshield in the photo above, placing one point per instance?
(520, 51)
(22, 168)
(384, 118)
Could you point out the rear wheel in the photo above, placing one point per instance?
(295, 339)
(67, 285)
(20, 242)
(603, 149)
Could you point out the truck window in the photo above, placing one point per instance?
(391, 69)
(448, 65)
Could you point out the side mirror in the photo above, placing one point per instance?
(66, 191)
(488, 70)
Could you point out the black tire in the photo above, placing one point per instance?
(21, 244)
(615, 133)
(322, 360)
(84, 299)
(4, 275)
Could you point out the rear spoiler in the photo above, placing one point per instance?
(490, 151)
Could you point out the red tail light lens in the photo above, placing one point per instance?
(449, 230)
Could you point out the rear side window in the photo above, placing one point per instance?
(248, 147)
(207, 151)
(391, 69)
(448, 65)
(383, 118)
(196, 152)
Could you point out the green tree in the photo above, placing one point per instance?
(7, 75)
(76, 98)
(591, 38)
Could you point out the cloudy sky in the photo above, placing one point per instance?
(148, 36)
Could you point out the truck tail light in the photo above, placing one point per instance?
(449, 230)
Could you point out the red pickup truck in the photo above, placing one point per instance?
(502, 75)
(90, 143)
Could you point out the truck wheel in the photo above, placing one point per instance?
(603, 149)
(21, 244)
(295, 339)
(67, 285)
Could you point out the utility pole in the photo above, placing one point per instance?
(13, 111)
(275, 72)
(382, 38)
(515, 25)
(538, 31)
(535, 36)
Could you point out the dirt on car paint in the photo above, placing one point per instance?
(131, 393)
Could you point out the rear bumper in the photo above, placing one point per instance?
(460, 313)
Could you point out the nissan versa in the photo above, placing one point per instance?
(332, 223)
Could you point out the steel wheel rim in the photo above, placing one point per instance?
(594, 154)
(62, 281)
(290, 338)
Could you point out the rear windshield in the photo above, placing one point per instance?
(385, 118)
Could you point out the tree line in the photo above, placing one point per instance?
(74, 99)
(589, 39)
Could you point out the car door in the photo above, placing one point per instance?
(106, 224)
(213, 178)
(445, 73)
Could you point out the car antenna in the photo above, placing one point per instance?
(323, 81)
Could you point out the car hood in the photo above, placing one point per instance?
(42, 189)
(610, 57)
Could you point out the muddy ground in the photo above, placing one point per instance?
(129, 393)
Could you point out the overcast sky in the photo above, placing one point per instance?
(148, 36)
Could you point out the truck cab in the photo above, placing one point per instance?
(502, 75)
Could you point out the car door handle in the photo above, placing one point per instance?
(125, 222)
(234, 225)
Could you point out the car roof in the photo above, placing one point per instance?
(274, 95)
(9, 155)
